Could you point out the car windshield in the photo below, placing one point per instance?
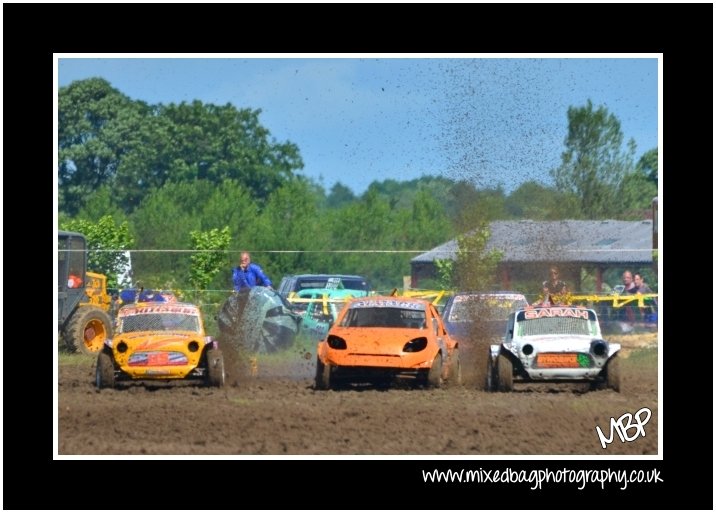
(159, 322)
(332, 283)
(381, 317)
(473, 308)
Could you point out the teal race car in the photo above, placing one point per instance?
(319, 308)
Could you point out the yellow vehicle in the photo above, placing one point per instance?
(160, 341)
(84, 305)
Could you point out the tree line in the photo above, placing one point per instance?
(187, 186)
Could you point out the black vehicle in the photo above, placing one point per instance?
(476, 320)
(296, 282)
(83, 304)
(474, 316)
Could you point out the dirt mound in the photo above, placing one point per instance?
(632, 341)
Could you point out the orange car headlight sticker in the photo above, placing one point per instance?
(415, 345)
(335, 342)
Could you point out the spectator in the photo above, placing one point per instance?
(554, 290)
(648, 312)
(545, 298)
(555, 285)
(629, 285)
(629, 288)
(248, 274)
(74, 281)
(641, 285)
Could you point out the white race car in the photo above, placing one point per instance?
(553, 344)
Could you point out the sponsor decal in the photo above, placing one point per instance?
(159, 309)
(499, 298)
(562, 360)
(157, 358)
(156, 344)
(389, 303)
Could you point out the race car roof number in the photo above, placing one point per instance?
(389, 303)
(556, 312)
(159, 309)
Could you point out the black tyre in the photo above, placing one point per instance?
(323, 375)
(482, 353)
(613, 374)
(504, 373)
(491, 375)
(435, 379)
(454, 377)
(230, 320)
(215, 370)
(104, 377)
(87, 330)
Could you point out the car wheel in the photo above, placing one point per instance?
(613, 373)
(215, 369)
(104, 377)
(87, 330)
(323, 375)
(454, 376)
(435, 379)
(491, 378)
(481, 350)
(504, 373)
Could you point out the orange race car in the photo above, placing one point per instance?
(378, 338)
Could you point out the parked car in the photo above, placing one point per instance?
(294, 283)
(476, 320)
(160, 342)
(553, 344)
(474, 316)
(380, 338)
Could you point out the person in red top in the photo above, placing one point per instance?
(74, 281)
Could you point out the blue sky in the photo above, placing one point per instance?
(494, 121)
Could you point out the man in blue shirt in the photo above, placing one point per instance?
(248, 274)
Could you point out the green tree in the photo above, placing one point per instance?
(362, 231)
(167, 216)
(445, 269)
(532, 200)
(107, 245)
(97, 125)
(427, 222)
(230, 204)
(209, 257)
(292, 224)
(339, 196)
(161, 226)
(475, 267)
(649, 165)
(106, 139)
(636, 192)
(594, 162)
(216, 143)
(100, 203)
(466, 198)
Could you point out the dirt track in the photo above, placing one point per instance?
(279, 413)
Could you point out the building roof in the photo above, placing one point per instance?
(523, 241)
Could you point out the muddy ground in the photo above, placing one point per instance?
(278, 412)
